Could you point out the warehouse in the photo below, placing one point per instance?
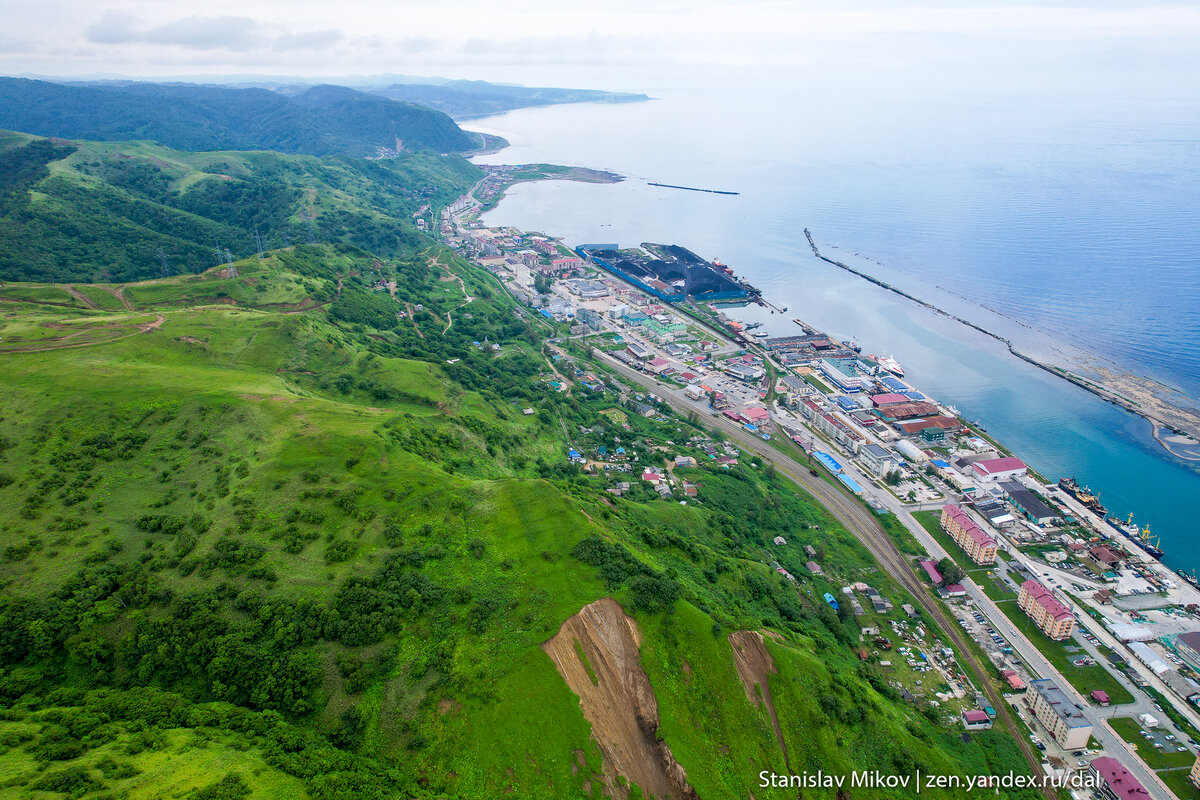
(1028, 503)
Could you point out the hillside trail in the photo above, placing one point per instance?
(119, 293)
(144, 327)
(80, 296)
(462, 285)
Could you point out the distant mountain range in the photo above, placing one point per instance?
(462, 99)
(320, 120)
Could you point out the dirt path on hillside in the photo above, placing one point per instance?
(416, 327)
(144, 327)
(80, 296)
(617, 699)
(754, 664)
(118, 293)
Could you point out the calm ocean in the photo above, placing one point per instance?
(1064, 222)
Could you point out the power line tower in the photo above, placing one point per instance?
(260, 243)
(164, 268)
(230, 270)
(312, 234)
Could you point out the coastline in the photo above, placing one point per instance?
(1182, 427)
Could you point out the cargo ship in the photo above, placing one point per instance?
(1138, 535)
(1084, 495)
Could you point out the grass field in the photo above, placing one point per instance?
(1085, 679)
(1178, 782)
(1128, 729)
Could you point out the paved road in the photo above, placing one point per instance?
(862, 524)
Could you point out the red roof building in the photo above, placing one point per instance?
(1012, 679)
(1115, 781)
(756, 414)
(995, 469)
(1040, 605)
(887, 399)
(967, 534)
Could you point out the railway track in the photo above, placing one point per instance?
(863, 525)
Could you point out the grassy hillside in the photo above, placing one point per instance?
(89, 211)
(322, 120)
(278, 535)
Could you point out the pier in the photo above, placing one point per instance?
(1099, 391)
(689, 188)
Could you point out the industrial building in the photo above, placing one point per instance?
(1040, 605)
(1028, 503)
(1059, 715)
(998, 469)
(844, 376)
(877, 459)
(1187, 645)
(967, 534)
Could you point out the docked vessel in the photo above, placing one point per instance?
(1138, 535)
(889, 363)
(1090, 501)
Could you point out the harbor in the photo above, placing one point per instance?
(857, 418)
(1175, 429)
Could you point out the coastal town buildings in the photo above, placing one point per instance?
(967, 534)
(998, 469)
(1040, 605)
(1113, 781)
(1059, 715)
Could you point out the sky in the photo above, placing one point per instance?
(620, 44)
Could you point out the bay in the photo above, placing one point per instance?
(1065, 222)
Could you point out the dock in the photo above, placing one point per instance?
(689, 188)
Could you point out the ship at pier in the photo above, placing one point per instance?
(1139, 536)
(1084, 495)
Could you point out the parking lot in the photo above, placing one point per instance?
(975, 624)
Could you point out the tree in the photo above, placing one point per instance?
(951, 572)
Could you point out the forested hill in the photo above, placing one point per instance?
(321, 120)
(477, 98)
(87, 211)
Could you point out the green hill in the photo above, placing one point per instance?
(86, 211)
(285, 535)
(322, 120)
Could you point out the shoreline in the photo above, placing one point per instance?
(1185, 425)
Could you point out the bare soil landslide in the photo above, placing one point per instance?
(620, 703)
(754, 664)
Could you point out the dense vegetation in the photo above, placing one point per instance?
(271, 554)
(88, 211)
(322, 120)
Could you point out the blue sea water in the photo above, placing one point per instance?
(1065, 221)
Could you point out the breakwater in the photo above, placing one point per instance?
(1104, 393)
(689, 188)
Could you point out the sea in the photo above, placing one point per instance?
(1064, 220)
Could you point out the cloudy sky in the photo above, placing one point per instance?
(616, 42)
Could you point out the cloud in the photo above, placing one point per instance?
(309, 40)
(194, 32)
(113, 28)
(207, 33)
